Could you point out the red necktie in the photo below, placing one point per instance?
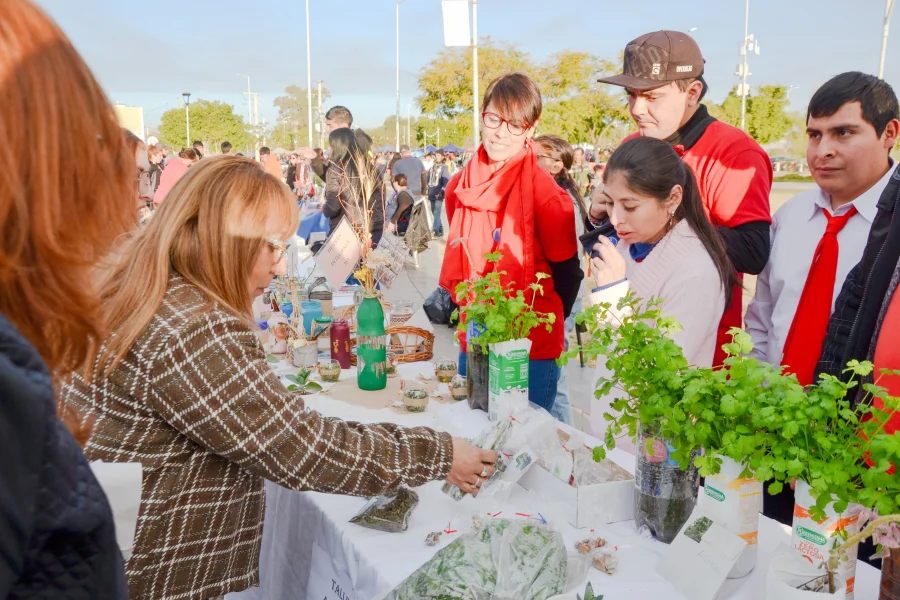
(804, 341)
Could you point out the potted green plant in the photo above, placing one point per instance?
(721, 402)
(301, 384)
(830, 439)
(497, 313)
(648, 373)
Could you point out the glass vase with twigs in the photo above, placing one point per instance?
(361, 194)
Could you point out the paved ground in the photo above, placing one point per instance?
(417, 284)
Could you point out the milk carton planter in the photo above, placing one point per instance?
(814, 540)
(735, 503)
(508, 377)
(495, 312)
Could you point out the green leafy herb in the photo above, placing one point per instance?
(500, 312)
(300, 383)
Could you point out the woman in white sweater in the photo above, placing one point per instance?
(667, 249)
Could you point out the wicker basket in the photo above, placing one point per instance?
(405, 344)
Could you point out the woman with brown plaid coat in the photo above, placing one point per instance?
(183, 387)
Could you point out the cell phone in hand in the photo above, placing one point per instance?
(589, 239)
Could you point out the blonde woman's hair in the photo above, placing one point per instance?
(210, 230)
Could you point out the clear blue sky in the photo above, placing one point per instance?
(148, 53)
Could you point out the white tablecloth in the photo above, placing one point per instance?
(311, 552)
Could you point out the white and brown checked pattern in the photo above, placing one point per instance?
(195, 402)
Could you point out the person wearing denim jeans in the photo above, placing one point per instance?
(438, 177)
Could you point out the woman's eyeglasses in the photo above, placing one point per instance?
(279, 248)
(493, 121)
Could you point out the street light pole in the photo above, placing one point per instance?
(187, 119)
(408, 125)
(308, 81)
(249, 100)
(744, 68)
(476, 116)
(397, 124)
(888, 9)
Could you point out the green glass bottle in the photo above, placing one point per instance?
(371, 353)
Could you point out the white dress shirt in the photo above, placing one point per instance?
(797, 228)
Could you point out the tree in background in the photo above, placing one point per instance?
(446, 82)
(292, 126)
(212, 122)
(575, 106)
(767, 117)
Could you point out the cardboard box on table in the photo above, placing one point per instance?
(587, 505)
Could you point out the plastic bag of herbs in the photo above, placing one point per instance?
(389, 512)
(506, 560)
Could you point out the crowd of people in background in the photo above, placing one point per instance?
(147, 351)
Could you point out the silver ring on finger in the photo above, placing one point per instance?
(477, 483)
(484, 471)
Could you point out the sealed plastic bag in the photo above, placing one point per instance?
(494, 439)
(505, 560)
(388, 513)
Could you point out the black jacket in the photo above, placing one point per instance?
(856, 309)
(342, 192)
(57, 538)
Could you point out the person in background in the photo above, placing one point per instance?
(175, 170)
(337, 117)
(57, 534)
(667, 249)
(395, 157)
(438, 178)
(414, 170)
(291, 174)
(199, 148)
(581, 172)
(555, 156)
(428, 161)
(598, 176)
(399, 221)
(663, 77)
(452, 167)
(381, 164)
(143, 182)
(503, 202)
(184, 386)
(226, 148)
(155, 156)
(819, 235)
(165, 153)
(347, 176)
(270, 163)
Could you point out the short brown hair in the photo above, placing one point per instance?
(685, 84)
(400, 179)
(517, 98)
(154, 150)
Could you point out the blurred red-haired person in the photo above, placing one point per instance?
(173, 171)
(58, 219)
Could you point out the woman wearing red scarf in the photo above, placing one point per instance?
(502, 201)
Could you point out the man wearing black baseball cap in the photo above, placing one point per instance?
(663, 76)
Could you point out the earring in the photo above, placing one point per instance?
(672, 220)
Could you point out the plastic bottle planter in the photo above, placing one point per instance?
(664, 494)
(371, 354)
(735, 503)
(814, 540)
(478, 377)
(890, 575)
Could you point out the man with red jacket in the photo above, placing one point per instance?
(663, 76)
